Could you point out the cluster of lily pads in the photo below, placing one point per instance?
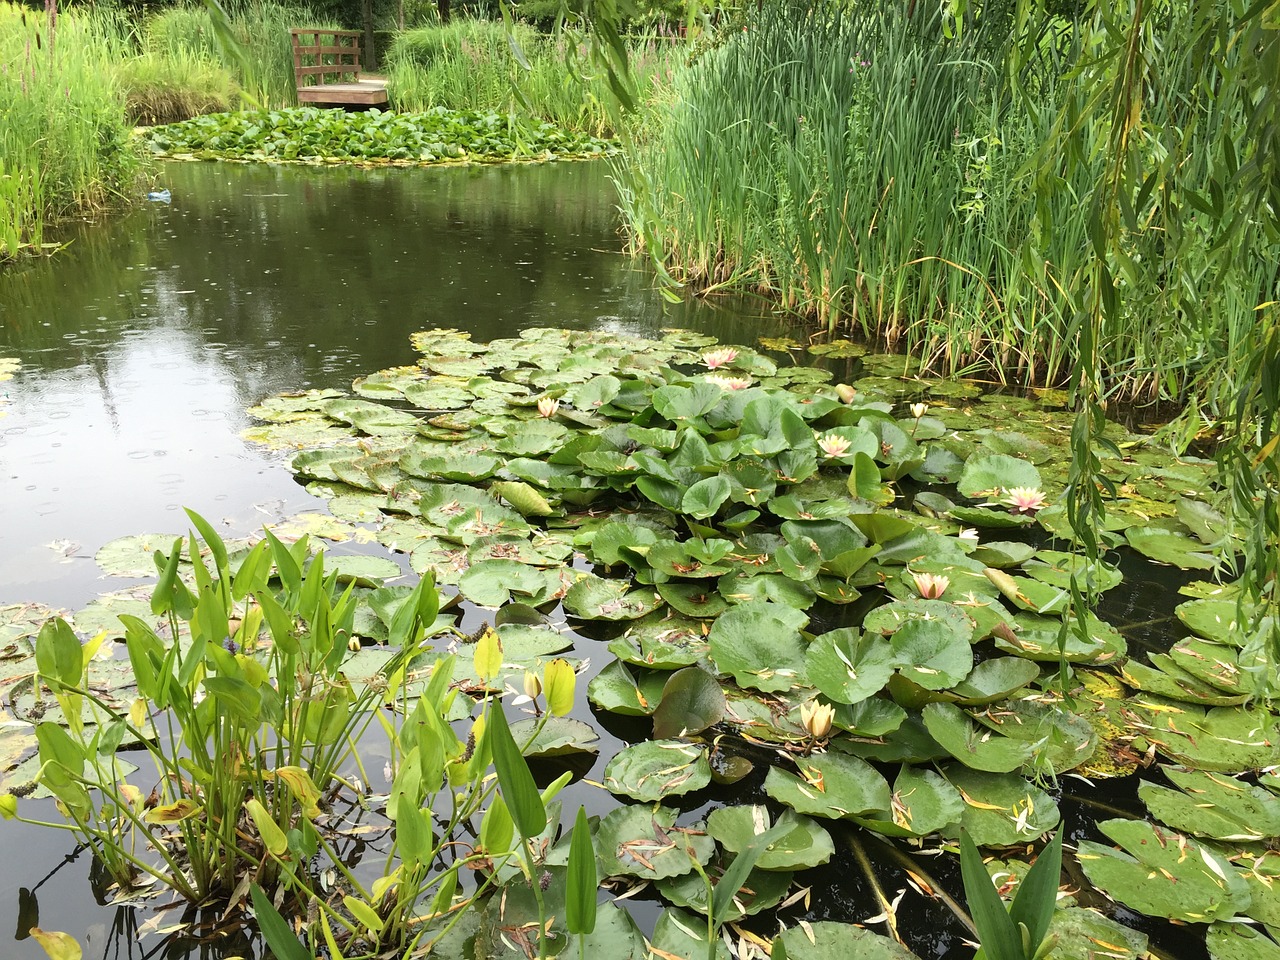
(316, 135)
(872, 579)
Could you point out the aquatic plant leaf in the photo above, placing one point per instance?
(593, 598)
(806, 844)
(658, 768)
(691, 701)
(528, 501)
(364, 571)
(931, 653)
(663, 643)
(559, 736)
(1213, 805)
(922, 803)
(683, 935)
(1163, 874)
(1030, 595)
(692, 599)
(988, 475)
(1003, 554)
(1169, 547)
(491, 583)
(1081, 932)
(1212, 619)
(1226, 739)
(628, 691)
(1055, 568)
(705, 497)
(988, 519)
(1164, 678)
(1208, 525)
(830, 785)
(762, 890)
(1001, 809)
(1061, 739)
(828, 940)
(759, 643)
(1038, 638)
(1225, 668)
(1014, 444)
(1236, 941)
(133, 556)
(56, 944)
(971, 744)
(994, 679)
(643, 841)
(848, 666)
(371, 418)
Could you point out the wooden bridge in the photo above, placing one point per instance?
(326, 69)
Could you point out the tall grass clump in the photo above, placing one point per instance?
(469, 64)
(174, 87)
(865, 170)
(64, 142)
(264, 75)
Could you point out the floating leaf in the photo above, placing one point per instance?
(971, 744)
(658, 768)
(644, 842)
(759, 644)
(559, 736)
(691, 701)
(830, 785)
(807, 844)
(828, 940)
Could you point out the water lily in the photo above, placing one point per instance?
(548, 406)
(816, 718)
(721, 357)
(729, 383)
(931, 586)
(834, 445)
(1025, 499)
(969, 535)
(918, 410)
(532, 685)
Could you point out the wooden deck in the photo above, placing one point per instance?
(326, 69)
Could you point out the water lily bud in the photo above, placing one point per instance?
(353, 644)
(816, 718)
(532, 685)
(845, 392)
(918, 410)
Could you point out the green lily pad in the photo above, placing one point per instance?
(985, 475)
(806, 845)
(828, 940)
(1003, 554)
(132, 556)
(644, 842)
(761, 890)
(1165, 678)
(1235, 941)
(1170, 547)
(658, 768)
(830, 785)
(759, 644)
(923, 802)
(662, 643)
(1083, 933)
(559, 736)
(491, 583)
(1227, 739)
(1163, 874)
(1056, 568)
(693, 599)
(933, 654)
(691, 701)
(1001, 809)
(1037, 638)
(592, 598)
(848, 666)
(971, 744)
(629, 691)
(1213, 805)
(1217, 620)
(683, 936)
(1060, 739)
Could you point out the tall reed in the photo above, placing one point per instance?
(265, 75)
(866, 171)
(63, 135)
(469, 65)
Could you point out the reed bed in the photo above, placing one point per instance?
(470, 65)
(63, 137)
(862, 170)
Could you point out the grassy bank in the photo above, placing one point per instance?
(64, 142)
(862, 170)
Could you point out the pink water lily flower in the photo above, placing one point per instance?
(548, 406)
(931, 586)
(834, 445)
(1025, 499)
(729, 383)
(721, 357)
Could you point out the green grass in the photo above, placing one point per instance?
(63, 134)
(470, 65)
(168, 88)
(265, 76)
(862, 171)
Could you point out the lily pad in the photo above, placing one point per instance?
(1163, 874)
(1001, 809)
(830, 785)
(828, 940)
(759, 644)
(691, 701)
(923, 802)
(644, 842)
(658, 768)
(626, 690)
(806, 845)
(971, 744)
(558, 737)
(987, 475)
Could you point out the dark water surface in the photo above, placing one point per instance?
(144, 343)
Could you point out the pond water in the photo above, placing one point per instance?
(143, 344)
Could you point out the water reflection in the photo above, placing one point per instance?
(144, 343)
